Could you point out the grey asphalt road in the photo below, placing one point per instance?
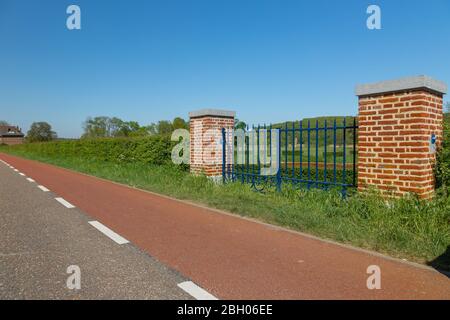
(40, 238)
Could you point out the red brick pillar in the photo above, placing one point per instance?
(206, 140)
(397, 121)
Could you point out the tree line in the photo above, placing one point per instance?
(107, 127)
(110, 127)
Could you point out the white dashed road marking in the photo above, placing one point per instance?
(23, 175)
(43, 188)
(195, 291)
(65, 203)
(31, 180)
(108, 232)
(16, 170)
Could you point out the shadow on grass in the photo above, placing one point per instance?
(442, 263)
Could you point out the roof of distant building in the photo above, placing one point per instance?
(10, 131)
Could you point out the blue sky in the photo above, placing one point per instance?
(150, 60)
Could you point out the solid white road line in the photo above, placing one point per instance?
(31, 180)
(195, 291)
(65, 203)
(43, 188)
(108, 232)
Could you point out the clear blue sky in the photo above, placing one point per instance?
(150, 60)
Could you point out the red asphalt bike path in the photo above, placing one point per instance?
(232, 257)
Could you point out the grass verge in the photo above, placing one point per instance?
(405, 228)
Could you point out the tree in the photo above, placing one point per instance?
(104, 127)
(121, 128)
(152, 129)
(4, 123)
(117, 127)
(239, 124)
(180, 123)
(40, 132)
(96, 127)
(164, 127)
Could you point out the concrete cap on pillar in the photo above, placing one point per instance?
(403, 84)
(212, 113)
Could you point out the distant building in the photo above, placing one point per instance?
(11, 135)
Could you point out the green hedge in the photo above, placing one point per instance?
(443, 158)
(152, 150)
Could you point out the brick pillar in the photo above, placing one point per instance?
(206, 140)
(397, 120)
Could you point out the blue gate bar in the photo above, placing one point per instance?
(309, 153)
(247, 155)
(293, 149)
(233, 172)
(268, 132)
(344, 158)
(255, 156)
(354, 151)
(224, 163)
(279, 160)
(334, 152)
(317, 152)
(301, 149)
(285, 149)
(325, 145)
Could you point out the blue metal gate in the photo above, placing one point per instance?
(320, 156)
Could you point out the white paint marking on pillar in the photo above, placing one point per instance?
(65, 203)
(31, 180)
(108, 232)
(43, 188)
(195, 291)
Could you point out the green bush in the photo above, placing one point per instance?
(443, 158)
(151, 150)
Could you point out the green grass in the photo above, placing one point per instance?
(404, 228)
